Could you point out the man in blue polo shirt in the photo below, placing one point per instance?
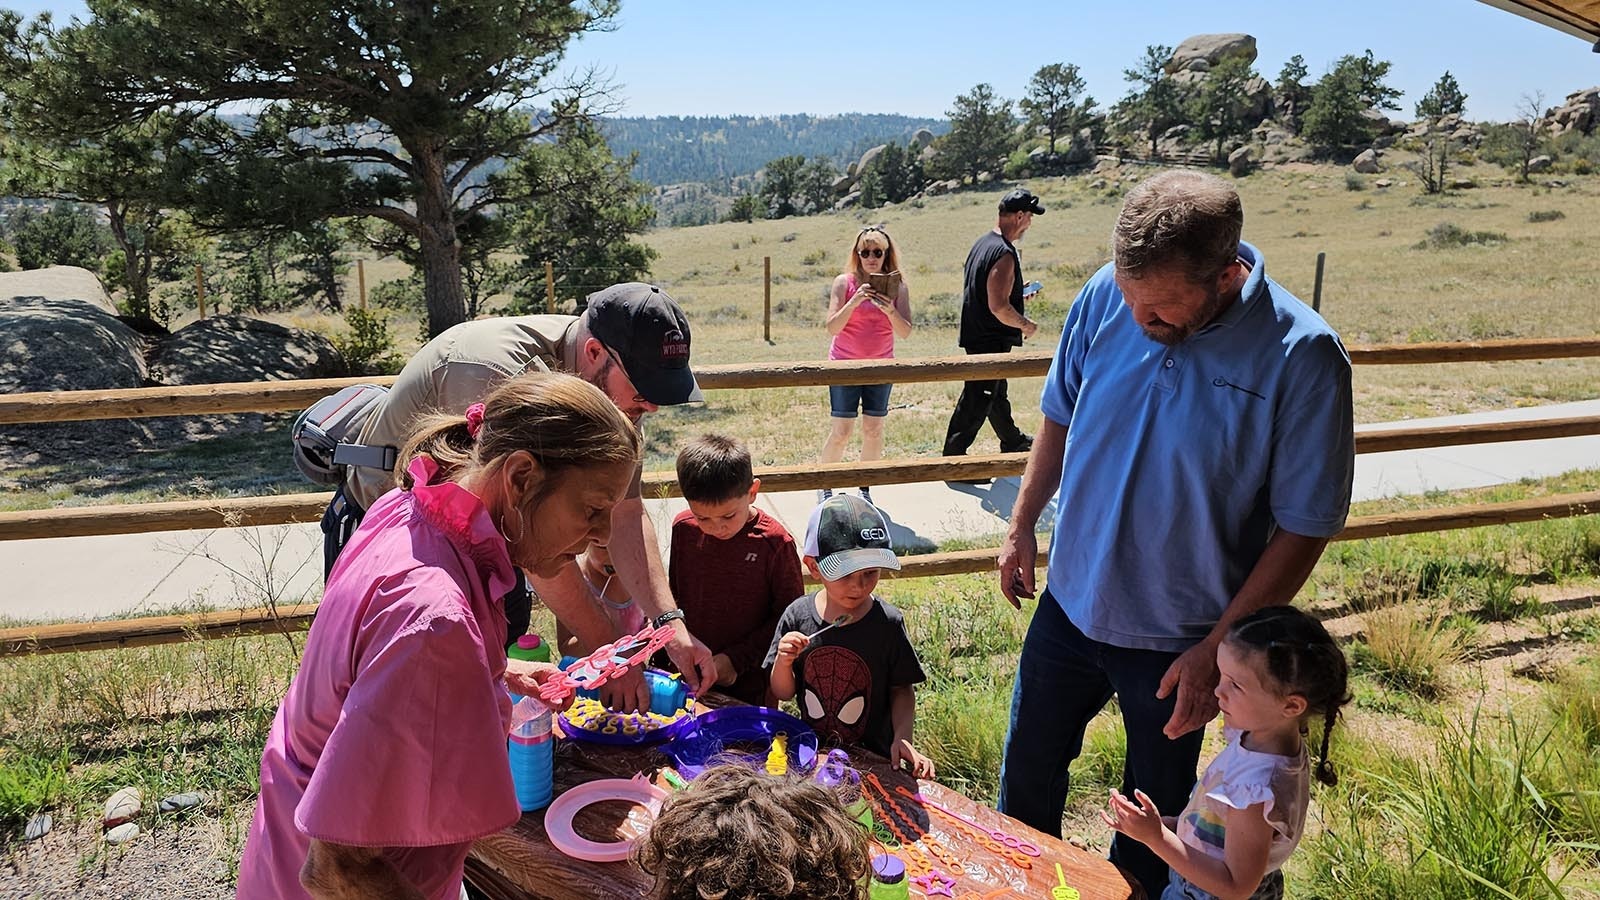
(1198, 424)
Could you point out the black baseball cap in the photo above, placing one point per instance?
(1021, 200)
(847, 534)
(647, 330)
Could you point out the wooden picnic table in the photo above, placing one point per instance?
(520, 863)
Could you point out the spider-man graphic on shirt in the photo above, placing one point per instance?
(843, 680)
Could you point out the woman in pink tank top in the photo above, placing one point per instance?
(864, 324)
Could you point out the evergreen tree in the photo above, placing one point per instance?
(66, 234)
(318, 254)
(1155, 102)
(367, 110)
(781, 187)
(1056, 102)
(980, 137)
(1443, 99)
(1337, 115)
(1292, 93)
(816, 184)
(746, 208)
(1217, 108)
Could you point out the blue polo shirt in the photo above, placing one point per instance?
(1182, 461)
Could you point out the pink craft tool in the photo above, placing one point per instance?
(605, 663)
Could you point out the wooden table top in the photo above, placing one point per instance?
(520, 863)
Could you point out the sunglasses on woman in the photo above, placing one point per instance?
(873, 252)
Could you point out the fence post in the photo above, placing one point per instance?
(200, 289)
(1316, 291)
(549, 287)
(766, 298)
(361, 281)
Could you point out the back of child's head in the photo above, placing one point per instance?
(1298, 656)
(714, 468)
(739, 834)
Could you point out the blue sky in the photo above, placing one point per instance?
(715, 57)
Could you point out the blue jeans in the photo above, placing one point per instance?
(1063, 679)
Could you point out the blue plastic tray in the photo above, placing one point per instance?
(699, 739)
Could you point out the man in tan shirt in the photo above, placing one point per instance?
(632, 342)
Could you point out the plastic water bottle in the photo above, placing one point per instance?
(531, 750)
(530, 746)
(530, 648)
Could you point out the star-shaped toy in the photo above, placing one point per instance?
(935, 882)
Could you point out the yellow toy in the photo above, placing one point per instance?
(778, 756)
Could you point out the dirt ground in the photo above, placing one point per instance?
(191, 861)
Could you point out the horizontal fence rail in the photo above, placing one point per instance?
(279, 396)
(285, 509)
(75, 636)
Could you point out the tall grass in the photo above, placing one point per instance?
(1409, 653)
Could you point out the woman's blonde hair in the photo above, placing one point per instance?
(739, 834)
(872, 236)
(562, 421)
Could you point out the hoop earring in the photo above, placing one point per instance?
(520, 527)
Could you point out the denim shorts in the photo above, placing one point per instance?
(1179, 888)
(871, 399)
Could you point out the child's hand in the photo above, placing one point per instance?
(1142, 822)
(725, 672)
(790, 646)
(902, 753)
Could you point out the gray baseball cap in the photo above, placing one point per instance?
(847, 534)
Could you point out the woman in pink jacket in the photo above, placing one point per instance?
(387, 757)
(864, 324)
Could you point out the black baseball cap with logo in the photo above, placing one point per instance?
(647, 330)
(847, 534)
(1021, 200)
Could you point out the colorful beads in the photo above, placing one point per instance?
(590, 715)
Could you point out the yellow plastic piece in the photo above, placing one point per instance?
(778, 756)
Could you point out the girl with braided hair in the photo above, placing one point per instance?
(1280, 669)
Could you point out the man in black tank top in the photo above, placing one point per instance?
(992, 321)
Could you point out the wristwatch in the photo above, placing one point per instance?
(666, 617)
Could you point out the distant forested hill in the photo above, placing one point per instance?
(675, 149)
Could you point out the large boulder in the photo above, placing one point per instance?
(56, 282)
(49, 344)
(1240, 161)
(922, 138)
(869, 156)
(1366, 162)
(1213, 49)
(237, 348)
(1580, 112)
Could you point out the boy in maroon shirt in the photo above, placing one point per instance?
(733, 568)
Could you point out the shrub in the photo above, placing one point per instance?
(1354, 182)
(939, 310)
(814, 258)
(367, 348)
(1546, 215)
(1407, 653)
(1447, 234)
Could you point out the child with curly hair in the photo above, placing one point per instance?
(739, 834)
(1279, 668)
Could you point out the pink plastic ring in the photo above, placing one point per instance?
(558, 818)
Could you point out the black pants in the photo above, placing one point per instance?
(344, 515)
(981, 400)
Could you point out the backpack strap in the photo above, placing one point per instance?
(366, 455)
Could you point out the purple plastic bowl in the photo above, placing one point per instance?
(698, 739)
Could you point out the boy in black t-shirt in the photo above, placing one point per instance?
(855, 682)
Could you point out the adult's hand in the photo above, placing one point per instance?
(691, 657)
(1029, 328)
(626, 692)
(525, 678)
(1194, 676)
(1018, 555)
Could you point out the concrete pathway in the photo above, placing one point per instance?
(126, 575)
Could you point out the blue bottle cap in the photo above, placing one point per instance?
(888, 869)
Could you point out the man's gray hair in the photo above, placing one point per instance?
(1182, 221)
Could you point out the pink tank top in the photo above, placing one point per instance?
(867, 335)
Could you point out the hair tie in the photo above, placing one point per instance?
(474, 420)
